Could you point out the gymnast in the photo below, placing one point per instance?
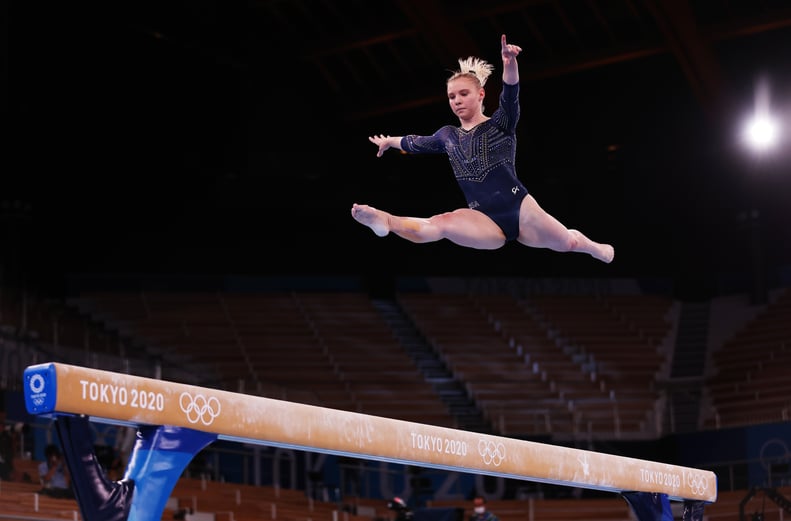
(482, 151)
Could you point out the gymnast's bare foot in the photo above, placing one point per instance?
(372, 218)
(606, 254)
(602, 252)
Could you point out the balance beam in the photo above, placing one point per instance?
(55, 388)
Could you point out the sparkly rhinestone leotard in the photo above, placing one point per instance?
(483, 161)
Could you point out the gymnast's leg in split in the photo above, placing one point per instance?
(474, 229)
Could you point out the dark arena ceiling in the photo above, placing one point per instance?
(225, 136)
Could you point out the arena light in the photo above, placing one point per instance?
(761, 131)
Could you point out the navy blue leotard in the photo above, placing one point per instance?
(483, 161)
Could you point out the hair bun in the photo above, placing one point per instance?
(481, 69)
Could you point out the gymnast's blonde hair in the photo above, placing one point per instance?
(473, 67)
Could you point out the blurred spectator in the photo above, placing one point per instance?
(480, 512)
(402, 510)
(6, 453)
(54, 475)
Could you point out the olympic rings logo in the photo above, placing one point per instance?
(36, 385)
(696, 482)
(199, 408)
(491, 452)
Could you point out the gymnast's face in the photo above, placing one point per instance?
(465, 96)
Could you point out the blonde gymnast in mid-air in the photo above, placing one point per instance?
(482, 150)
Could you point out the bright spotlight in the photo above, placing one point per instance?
(761, 132)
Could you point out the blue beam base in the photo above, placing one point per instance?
(159, 458)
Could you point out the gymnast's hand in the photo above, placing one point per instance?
(508, 50)
(384, 142)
